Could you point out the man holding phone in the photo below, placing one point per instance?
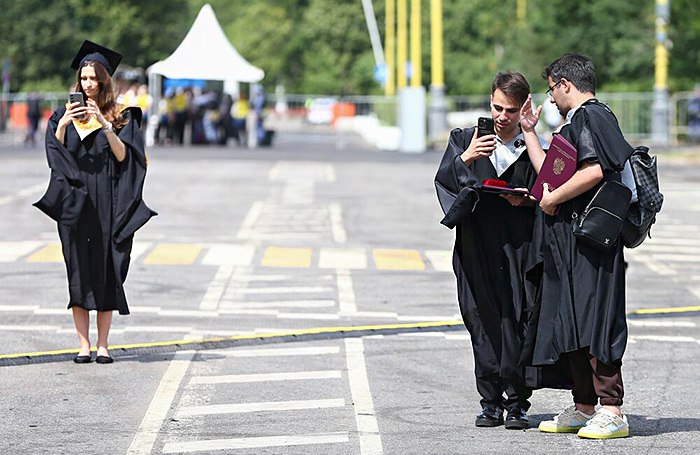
(493, 236)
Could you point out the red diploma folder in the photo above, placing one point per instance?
(558, 167)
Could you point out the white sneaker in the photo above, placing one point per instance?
(605, 424)
(570, 420)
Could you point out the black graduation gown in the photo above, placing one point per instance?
(582, 294)
(491, 246)
(97, 204)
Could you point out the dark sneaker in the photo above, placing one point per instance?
(491, 416)
(517, 419)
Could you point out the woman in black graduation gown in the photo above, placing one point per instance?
(98, 165)
(492, 241)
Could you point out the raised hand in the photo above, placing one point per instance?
(528, 118)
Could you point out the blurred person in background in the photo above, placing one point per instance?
(33, 116)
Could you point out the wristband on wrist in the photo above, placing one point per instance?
(107, 127)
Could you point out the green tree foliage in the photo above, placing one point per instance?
(41, 38)
(323, 46)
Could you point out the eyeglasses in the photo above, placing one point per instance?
(551, 89)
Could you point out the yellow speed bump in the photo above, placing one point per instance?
(391, 259)
(173, 254)
(50, 253)
(287, 257)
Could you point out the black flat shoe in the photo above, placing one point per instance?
(491, 416)
(103, 359)
(517, 420)
(82, 359)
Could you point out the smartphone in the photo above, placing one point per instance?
(76, 97)
(485, 126)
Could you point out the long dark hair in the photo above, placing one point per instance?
(107, 97)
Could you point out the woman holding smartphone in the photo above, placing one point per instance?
(98, 164)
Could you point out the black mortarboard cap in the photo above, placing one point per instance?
(92, 51)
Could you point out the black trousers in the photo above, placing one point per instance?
(492, 390)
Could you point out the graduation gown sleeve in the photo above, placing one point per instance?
(454, 181)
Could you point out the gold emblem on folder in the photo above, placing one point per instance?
(558, 166)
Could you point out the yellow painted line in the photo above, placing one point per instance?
(297, 333)
(287, 257)
(680, 309)
(173, 254)
(389, 259)
(50, 253)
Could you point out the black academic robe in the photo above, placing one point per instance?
(491, 246)
(581, 301)
(97, 204)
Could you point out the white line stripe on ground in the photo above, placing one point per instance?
(256, 442)
(29, 191)
(160, 405)
(272, 352)
(229, 254)
(11, 251)
(286, 290)
(216, 288)
(138, 248)
(440, 259)
(278, 304)
(638, 323)
(266, 377)
(342, 258)
(367, 427)
(346, 293)
(336, 215)
(22, 308)
(30, 328)
(670, 339)
(236, 408)
(251, 218)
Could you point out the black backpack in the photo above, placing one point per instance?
(642, 214)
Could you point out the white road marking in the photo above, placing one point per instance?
(440, 259)
(266, 377)
(216, 288)
(236, 408)
(11, 251)
(256, 442)
(29, 191)
(272, 352)
(160, 405)
(672, 339)
(286, 290)
(138, 248)
(346, 293)
(336, 215)
(342, 258)
(367, 427)
(277, 304)
(246, 231)
(229, 254)
(649, 323)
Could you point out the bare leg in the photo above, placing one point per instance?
(104, 322)
(81, 319)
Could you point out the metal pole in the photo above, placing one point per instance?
(373, 32)
(401, 43)
(390, 87)
(659, 108)
(438, 108)
(416, 60)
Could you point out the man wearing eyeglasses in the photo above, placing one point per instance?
(494, 229)
(582, 321)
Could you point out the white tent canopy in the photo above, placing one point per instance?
(206, 53)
